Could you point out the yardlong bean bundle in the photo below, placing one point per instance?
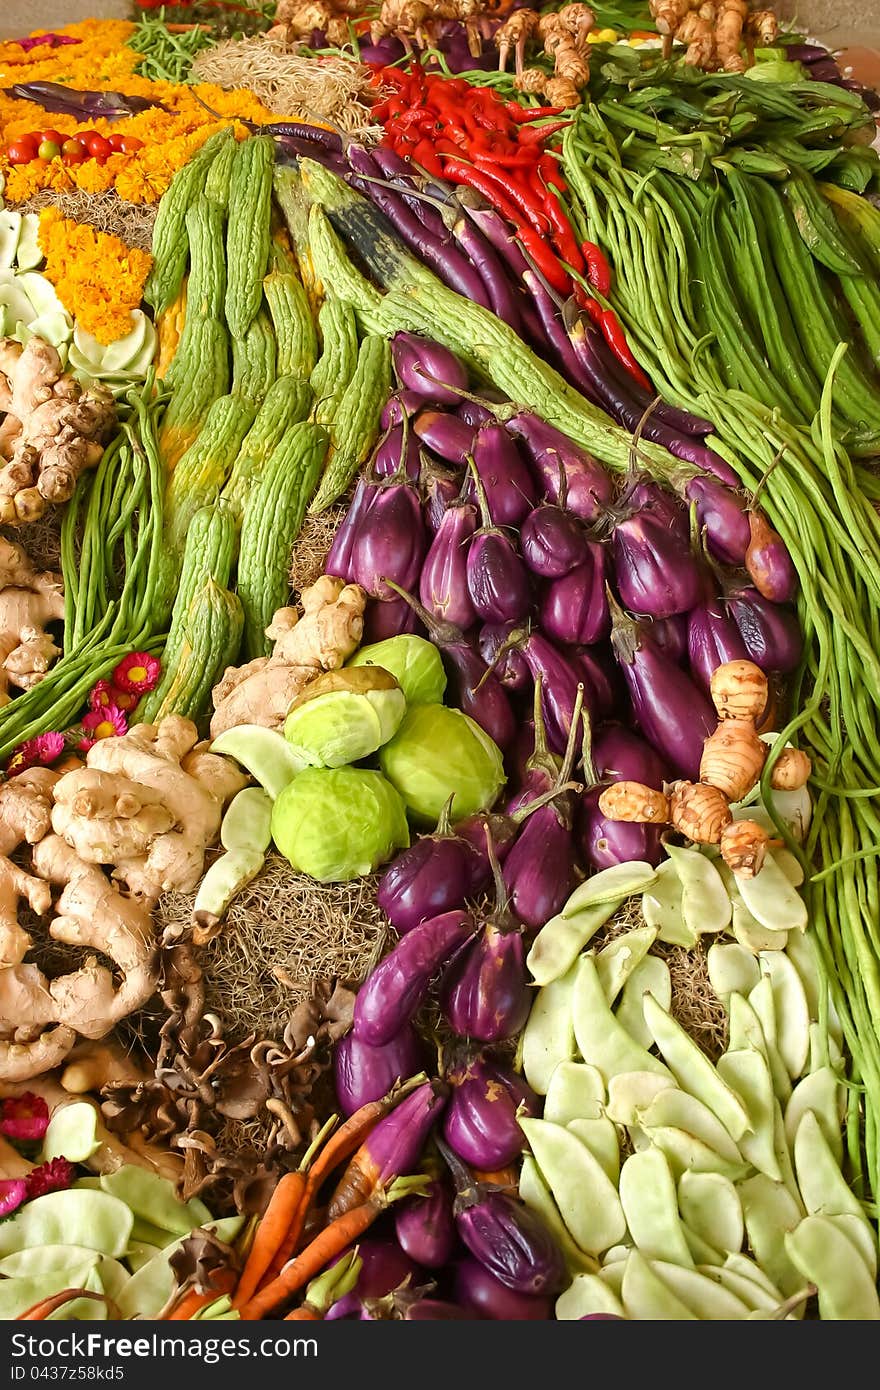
(822, 503)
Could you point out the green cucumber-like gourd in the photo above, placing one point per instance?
(272, 521)
(339, 352)
(247, 230)
(210, 628)
(219, 175)
(356, 422)
(210, 549)
(206, 285)
(201, 374)
(170, 246)
(292, 320)
(253, 360)
(288, 401)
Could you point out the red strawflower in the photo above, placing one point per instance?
(13, 1192)
(24, 1117)
(137, 673)
(54, 1176)
(101, 695)
(35, 752)
(109, 722)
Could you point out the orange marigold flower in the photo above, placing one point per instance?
(99, 279)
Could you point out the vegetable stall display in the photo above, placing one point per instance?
(454, 532)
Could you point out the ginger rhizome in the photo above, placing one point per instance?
(262, 691)
(717, 34)
(29, 600)
(53, 429)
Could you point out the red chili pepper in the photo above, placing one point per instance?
(518, 192)
(426, 155)
(586, 302)
(521, 114)
(460, 171)
(544, 258)
(614, 336)
(534, 134)
(598, 269)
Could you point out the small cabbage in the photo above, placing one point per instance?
(438, 753)
(414, 662)
(343, 716)
(338, 823)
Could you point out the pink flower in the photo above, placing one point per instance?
(101, 695)
(35, 752)
(13, 1192)
(24, 1117)
(137, 673)
(109, 722)
(53, 1176)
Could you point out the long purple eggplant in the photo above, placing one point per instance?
(440, 487)
(434, 875)
(721, 513)
(485, 992)
(559, 687)
(770, 631)
(339, 557)
(480, 1123)
(392, 993)
(443, 586)
(552, 541)
(596, 668)
(390, 542)
(507, 664)
(445, 434)
(397, 454)
(429, 368)
(713, 638)
(574, 608)
(670, 635)
(391, 1150)
(425, 1227)
(503, 1234)
(362, 1073)
(508, 484)
(656, 573)
(672, 712)
(567, 473)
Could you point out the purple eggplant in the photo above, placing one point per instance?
(770, 631)
(388, 618)
(391, 1150)
(597, 671)
(362, 1073)
(399, 407)
(722, 515)
(387, 50)
(397, 454)
(474, 413)
(485, 992)
(507, 482)
(479, 1290)
(490, 267)
(384, 1267)
(672, 712)
(434, 875)
(425, 1227)
(768, 562)
(339, 557)
(435, 1310)
(559, 687)
(670, 635)
(574, 608)
(552, 541)
(644, 496)
(480, 1123)
(440, 487)
(655, 571)
(503, 1234)
(713, 638)
(394, 990)
(506, 663)
(443, 586)
(446, 435)
(619, 755)
(429, 369)
(390, 542)
(567, 473)
(497, 580)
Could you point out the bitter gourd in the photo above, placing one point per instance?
(247, 230)
(288, 401)
(355, 425)
(339, 351)
(169, 245)
(253, 360)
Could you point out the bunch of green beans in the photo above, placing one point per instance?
(111, 543)
(821, 500)
(168, 57)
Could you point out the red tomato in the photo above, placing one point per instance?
(72, 152)
(22, 150)
(99, 147)
(82, 137)
(50, 135)
(116, 141)
(127, 144)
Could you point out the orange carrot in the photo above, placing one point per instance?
(193, 1299)
(39, 1312)
(499, 1177)
(304, 1313)
(272, 1231)
(342, 1232)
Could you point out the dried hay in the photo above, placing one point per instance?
(311, 547)
(289, 83)
(40, 539)
(105, 211)
(284, 932)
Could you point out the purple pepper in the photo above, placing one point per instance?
(485, 991)
(567, 474)
(339, 557)
(552, 541)
(713, 638)
(770, 631)
(722, 514)
(768, 562)
(672, 712)
(425, 1227)
(390, 542)
(428, 368)
(574, 608)
(507, 482)
(362, 1073)
(503, 1234)
(434, 875)
(655, 571)
(443, 587)
(394, 990)
(446, 435)
(506, 663)
(478, 1290)
(480, 1123)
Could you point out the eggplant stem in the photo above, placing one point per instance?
(759, 486)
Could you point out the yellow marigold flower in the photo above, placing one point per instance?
(98, 279)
